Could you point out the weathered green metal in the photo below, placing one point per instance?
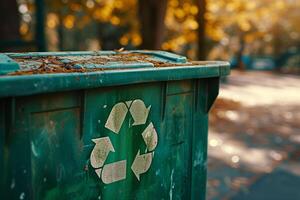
(48, 121)
(7, 64)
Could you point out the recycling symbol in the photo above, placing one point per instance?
(116, 171)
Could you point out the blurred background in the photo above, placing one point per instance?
(251, 34)
(254, 139)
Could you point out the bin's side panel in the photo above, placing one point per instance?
(56, 147)
(17, 175)
(45, 147)
(206, 91)
(177, 139)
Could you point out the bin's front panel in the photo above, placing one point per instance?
(126, 142)
(136, 169)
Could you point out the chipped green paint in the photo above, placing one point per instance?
(48, 136)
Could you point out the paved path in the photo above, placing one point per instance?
(281, 184)
(254, 139)
(260, 88)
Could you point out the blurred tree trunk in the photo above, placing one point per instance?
(60, 31)
(152, 14)
(9, 21)
(40, 25)
(240, 64)
(201, 54)
(278, 44)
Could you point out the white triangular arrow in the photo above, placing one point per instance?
(114, 172)
(100, 152)
(141, 164)
(139, 112)
(116, 117)
(150, 137)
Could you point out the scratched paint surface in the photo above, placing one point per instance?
(56, 135)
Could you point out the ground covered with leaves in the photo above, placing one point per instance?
(254, 138)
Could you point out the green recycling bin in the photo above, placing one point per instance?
(105, 125)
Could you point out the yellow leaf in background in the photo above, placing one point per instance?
(186, 7)
(194, 10)
(179, 13)
(165, 46)
(244, 25)
(215, 33)
(97, 14)
(173, 3)
(280, 4)
(191, 37)
(213, 7)
(104, 14)
(173, 45)
(209, 16)
(52, 20)
(24, 28)
(124, 40)
(181, 40)
(191, 24)
(250, 38)
(69, 21)
(251, 5)
(115, 20)
(136, 39)
(119, 4)
(230, 6)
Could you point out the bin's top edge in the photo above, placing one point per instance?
(22, 83)
(90, 61)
